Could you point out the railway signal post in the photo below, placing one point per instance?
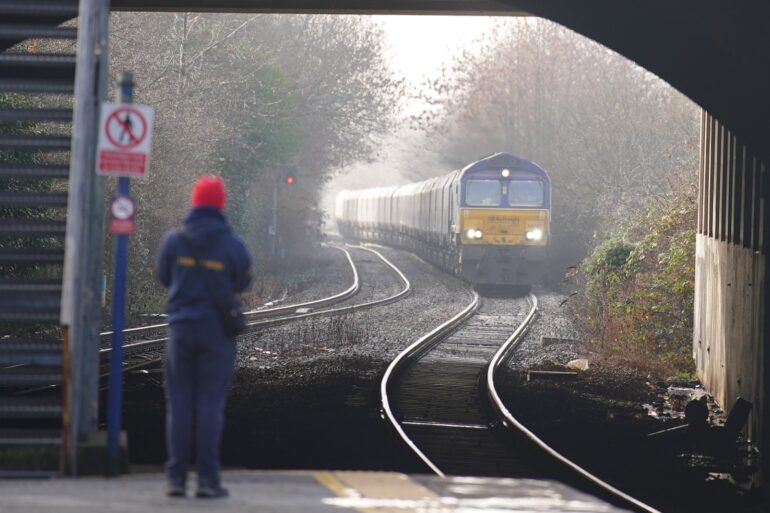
(289, 180)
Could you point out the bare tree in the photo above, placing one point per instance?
(612, 135)
(243, 97)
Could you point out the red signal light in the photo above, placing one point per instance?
(289, 179)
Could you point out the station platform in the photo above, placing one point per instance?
(301, 492)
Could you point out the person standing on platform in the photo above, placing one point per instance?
(203, 258)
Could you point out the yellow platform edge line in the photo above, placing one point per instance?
(340, 489)
(333, 484)
(379, 492)
(385, 485)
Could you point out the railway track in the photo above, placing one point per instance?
(262, 313)
(148, 342)
(141, 354)
(440, 396)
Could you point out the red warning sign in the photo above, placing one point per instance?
(122, 214)
(124, 140)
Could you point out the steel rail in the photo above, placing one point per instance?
(144, 346)
(421, 345)
(263, 312)
(345, 294)
(510, 421)
(352, 308)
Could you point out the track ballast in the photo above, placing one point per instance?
(440, 396)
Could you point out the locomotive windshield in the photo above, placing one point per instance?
(483, 193)
(525, 193)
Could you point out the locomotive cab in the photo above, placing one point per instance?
(504, 227)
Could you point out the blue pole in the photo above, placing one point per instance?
(115, 395)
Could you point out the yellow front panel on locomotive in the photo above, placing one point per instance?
(508, 227)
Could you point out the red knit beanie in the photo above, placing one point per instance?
(209, 191)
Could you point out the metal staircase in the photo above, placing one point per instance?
(37, 75)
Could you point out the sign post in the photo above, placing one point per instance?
(123, 151)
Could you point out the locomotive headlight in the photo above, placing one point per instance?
(506, 173)
(535, 234)
(473, 233)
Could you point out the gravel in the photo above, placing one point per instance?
(601, 418)
(306, 394)
(379, 333)
(329, 274)
(561, 343)
(313, 401)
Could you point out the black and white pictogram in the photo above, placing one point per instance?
(126, 128)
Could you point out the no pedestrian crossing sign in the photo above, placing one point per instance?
(125, 136)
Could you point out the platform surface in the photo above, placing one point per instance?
(301, 492)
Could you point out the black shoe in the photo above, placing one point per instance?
(211, 492)
(175, 490)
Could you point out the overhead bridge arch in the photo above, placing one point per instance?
(718, 54)
(714, 51)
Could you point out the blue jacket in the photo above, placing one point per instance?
(224, 257)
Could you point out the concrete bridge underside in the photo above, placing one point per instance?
(717, 53)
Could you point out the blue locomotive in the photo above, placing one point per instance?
(488, 223)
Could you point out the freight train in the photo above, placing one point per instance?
(488, 223)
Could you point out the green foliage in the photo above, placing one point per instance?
(610, 256)
(639, 297)
(245, 96)
(256, 107)
(252, 161)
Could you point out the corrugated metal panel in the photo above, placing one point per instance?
(701, 173)
(732, 189)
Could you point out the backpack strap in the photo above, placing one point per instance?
(206, 277)
(227, 306)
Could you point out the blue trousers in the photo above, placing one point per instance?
(198, 371)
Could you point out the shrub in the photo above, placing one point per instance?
(609, 257)
(638, 300)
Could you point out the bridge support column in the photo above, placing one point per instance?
(731, 343)
(84, 245)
